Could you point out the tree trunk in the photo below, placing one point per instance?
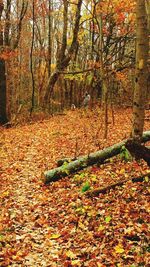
(3, 113)
(5, 46)
(148, 14)
(49, 37)
(85, 161)
(141, 79)
(31, 60)
(1, 27)
(3, 106)
(63, 57)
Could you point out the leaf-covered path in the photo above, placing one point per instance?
(57, 225)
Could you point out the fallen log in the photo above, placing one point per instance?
(103, 190)
(85, 161)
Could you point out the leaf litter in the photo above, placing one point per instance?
(58, 225)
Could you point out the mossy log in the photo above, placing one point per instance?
(85, 161)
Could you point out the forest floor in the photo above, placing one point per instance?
(57, 224)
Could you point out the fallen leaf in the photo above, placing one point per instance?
(54, 236)
(70, 254)
(119, 249)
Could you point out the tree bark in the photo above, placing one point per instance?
(3, 101)
(1, 27)
(141, 79)
(85, 161)
(148, 14)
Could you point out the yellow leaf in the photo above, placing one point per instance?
(122, 171)
(75, 262)
(100, 264)
(81, 225)
(70, 254)
(128, 230)
(146, 179)
(94, 178)
(119, 249)
(101, 227)
(5, 194)
(55, 236)
(16, 257)
(80, 210)
(69, 41)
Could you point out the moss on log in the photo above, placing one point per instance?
(85, 161)
(60, 162)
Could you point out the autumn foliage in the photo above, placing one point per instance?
(54, 54)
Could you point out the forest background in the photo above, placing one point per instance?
(52, 52)
(93, 210)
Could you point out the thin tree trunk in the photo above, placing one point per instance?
(49, 37)
(7, 24)
(3, 113)
(1, 27)
(3, 98)
(31, 60)
(104, 81)
(148, 14)
(105, 92)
